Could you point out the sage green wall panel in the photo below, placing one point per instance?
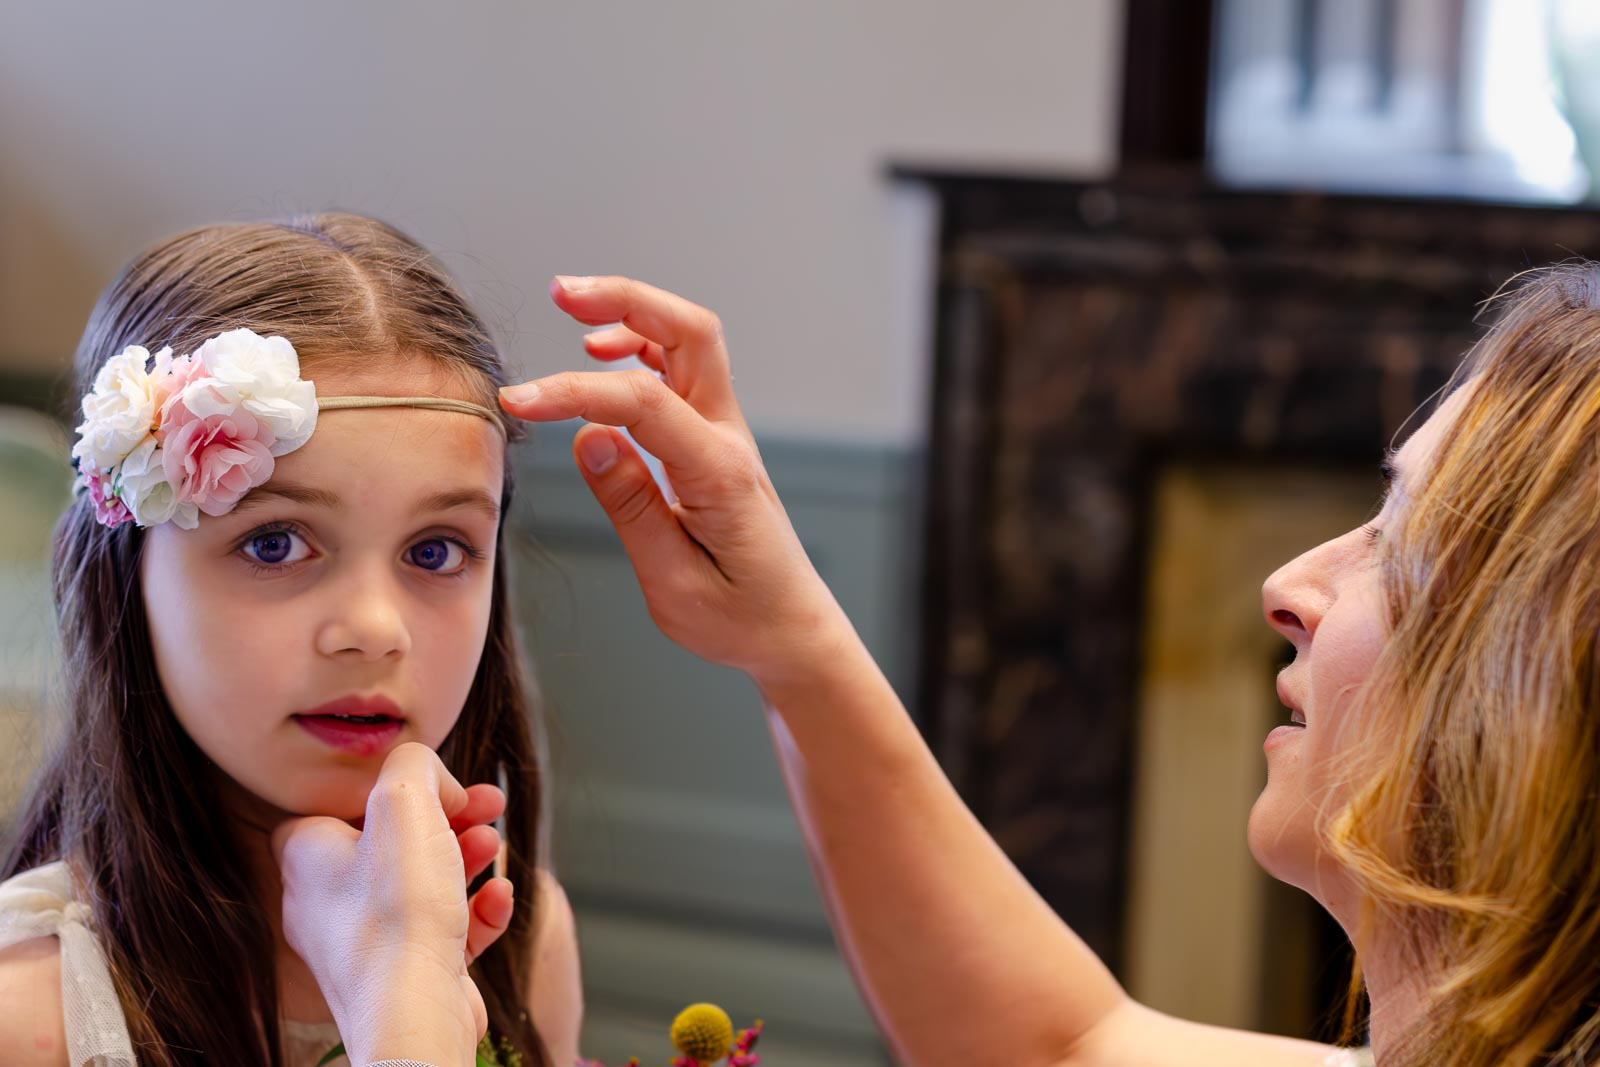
(673, 834)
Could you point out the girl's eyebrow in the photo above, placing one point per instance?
(444, 500)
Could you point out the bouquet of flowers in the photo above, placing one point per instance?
(704, 1035)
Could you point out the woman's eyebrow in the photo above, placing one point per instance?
(444, 500)
(1391, 474)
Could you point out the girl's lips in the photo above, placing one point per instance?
(359, 739)
(355, 704)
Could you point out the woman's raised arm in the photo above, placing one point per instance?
(960, 960)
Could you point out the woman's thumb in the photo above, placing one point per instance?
(621, 482)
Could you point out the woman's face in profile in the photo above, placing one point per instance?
(1329, 604)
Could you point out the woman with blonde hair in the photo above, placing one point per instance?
(1436, 788)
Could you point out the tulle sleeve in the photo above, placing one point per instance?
(38, 903)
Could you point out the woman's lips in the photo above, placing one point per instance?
(1296, 723)
(1296, 716)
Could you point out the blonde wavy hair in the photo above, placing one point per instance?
(1473, 821)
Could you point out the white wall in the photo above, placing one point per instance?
(732, 151)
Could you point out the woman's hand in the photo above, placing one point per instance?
(380, 914)
(721, 569)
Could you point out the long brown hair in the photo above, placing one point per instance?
(1473, 821)
(125, 793)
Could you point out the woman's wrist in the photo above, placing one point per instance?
(409, 1015)
(832, 660)
(429, 1040)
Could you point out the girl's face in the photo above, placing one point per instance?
(361, 569)
(1329, 603)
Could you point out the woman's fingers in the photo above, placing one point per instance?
(479, 846)
(651, 534)
(485, 803)
(490, 915)
(693, 352)
(619, 342)
(697, 460)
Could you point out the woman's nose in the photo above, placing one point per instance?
(1292, 598)
(364, 617)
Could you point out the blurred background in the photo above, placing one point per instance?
(1061, 323)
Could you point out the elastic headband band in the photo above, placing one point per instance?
(437, 403)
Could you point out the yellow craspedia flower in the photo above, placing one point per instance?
(703, 1032)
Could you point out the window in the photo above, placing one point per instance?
(1456, 98)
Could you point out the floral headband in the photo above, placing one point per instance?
(164, 441)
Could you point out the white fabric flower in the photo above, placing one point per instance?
(192, 433)
(119, 411)
(260, 374)
(143, 486)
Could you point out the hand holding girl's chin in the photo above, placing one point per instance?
(379, 911)
(722, 570)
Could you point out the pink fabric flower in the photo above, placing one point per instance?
(171, 378)
(108, 509)
(212, 462)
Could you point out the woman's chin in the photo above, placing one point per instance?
(1275, 840)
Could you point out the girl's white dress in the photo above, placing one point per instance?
(40, 903)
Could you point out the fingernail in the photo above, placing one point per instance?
(525, 393)
(598, 452)
(574, 285)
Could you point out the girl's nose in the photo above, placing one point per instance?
(364, 619)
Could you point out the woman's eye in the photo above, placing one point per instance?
(276, 548)
(438, 554)
(1372, 534)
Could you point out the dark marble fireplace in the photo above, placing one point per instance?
(1090, 336)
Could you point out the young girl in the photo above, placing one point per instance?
(285, 559)
(1435, 787)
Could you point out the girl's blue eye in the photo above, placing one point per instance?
(276, 547)
(437, 554)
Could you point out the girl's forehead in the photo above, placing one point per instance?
(395, 375)
(377, 465)
(398, 450)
